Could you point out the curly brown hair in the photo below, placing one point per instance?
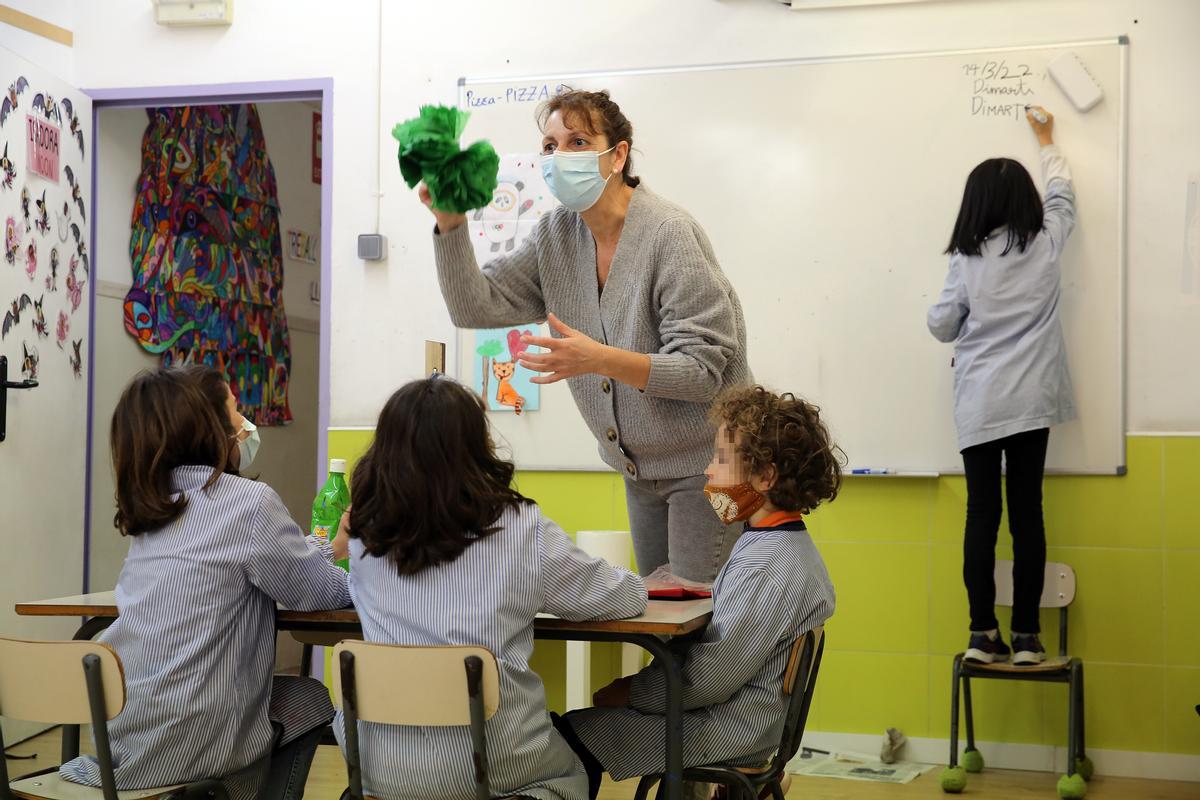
(784, 433)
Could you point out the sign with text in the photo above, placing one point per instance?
(41, 152)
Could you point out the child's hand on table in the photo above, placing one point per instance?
(341, 542)
(615, 695)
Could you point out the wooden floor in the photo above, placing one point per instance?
(327, 779)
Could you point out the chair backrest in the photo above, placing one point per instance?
(415, 685)
(1058, 590)
(44, 681)
(799, 683)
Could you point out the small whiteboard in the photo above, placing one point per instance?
(829, 189)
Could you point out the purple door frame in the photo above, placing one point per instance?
(208, 94)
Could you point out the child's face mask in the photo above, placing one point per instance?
(734, 503)
(248, 446)
(728, 490)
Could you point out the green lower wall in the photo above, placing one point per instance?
(894, 549)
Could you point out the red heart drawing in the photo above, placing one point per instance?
(515, 345)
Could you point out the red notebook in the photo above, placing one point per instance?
(678, 593)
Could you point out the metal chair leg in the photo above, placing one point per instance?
(1073, 718)
(970, 710)
(955, 670)
(644, 786)
(1081, 749)
(306, 655)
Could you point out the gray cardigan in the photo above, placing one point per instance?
(665, 296)
(1001, 312)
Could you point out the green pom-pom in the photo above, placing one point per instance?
(972, 761)
(458, 180)
(953, 780)
(1072, 787)
(429, 140)
(1084, 767)
(466, 181)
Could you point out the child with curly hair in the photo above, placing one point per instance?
(774, 463)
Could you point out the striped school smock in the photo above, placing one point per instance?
(773, 590)
(196, 634)
(488, 597)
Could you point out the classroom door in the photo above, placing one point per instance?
(45, 303)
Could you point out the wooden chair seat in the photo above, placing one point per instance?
(1055, 664)
(51, 786)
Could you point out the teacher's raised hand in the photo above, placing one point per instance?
(446, 221)
(574, 354)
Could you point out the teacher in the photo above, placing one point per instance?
(645, 327)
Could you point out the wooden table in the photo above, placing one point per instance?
(663, 621)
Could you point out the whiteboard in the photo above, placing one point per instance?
(829, 188)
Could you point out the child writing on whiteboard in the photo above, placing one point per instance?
(773, 463)
(1000, 307)
(444, 551)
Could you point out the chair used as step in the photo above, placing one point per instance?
(1058, 592)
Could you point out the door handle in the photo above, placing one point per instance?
(5, 385)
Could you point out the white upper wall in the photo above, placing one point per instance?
(383, 312)
(58, 58)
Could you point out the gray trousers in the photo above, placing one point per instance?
(673, 523)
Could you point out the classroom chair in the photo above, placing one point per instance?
(311, 639)
(1058, 592)
(799, 682)
(415, 685)
(78, 682)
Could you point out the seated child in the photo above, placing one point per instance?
(210, 555)
(443, 551)
(773, 463)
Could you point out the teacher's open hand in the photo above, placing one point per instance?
(574, 354)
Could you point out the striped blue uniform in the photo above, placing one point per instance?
(196, 634)
(773, 589)
(489, 597)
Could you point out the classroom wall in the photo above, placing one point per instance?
(893, 546)
(118, 44)
(287, 459)
(58, 58)
(894, 551)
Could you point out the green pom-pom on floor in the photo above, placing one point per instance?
(972, 761)
(953, 780)
(1085, 768)
(1072, 787)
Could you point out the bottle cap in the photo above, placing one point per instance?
(337, 465)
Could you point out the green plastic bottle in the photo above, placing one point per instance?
(332, 501)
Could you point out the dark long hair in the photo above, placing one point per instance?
(431, 484)
(167, 418)
(998, 192)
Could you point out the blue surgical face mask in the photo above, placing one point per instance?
(248, 447)
(574, 178)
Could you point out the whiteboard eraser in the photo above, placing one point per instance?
(1075, 81)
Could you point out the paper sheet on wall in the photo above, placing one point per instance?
(520, 200)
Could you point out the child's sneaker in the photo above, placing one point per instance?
(1027, 649)
(984, 649)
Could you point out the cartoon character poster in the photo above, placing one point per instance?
(520, 199)
(503, 383)
(35, 300)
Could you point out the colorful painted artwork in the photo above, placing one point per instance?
(207, 254)
(501, 381)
